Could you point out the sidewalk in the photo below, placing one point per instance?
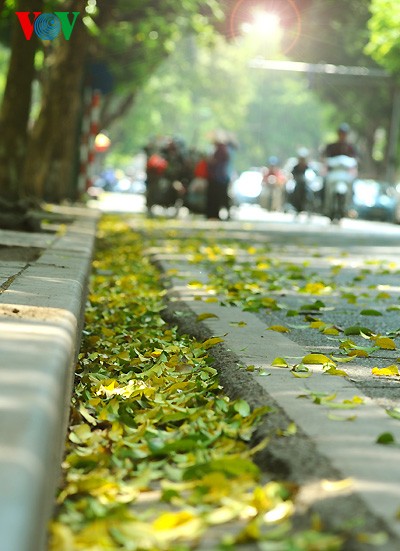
(344, 475)
(43, 285)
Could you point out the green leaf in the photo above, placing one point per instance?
(385, 438)
(370, 312)
(292, 313)
(394, 413)
(230, 465)
(242, 407)
(357, 330)
(313, 307)
(301, 371)
(334, 417)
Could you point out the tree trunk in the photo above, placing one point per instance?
(15, 108)
(51, 156)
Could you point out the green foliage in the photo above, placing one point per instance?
(384, 26)
(137, 36)
(197, 90)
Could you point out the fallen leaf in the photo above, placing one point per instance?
(389, 371)
(385, 343)
(278, 328)
(279, 362)
(317, 359)
(385, 438)
(206, 315)
(370, 312)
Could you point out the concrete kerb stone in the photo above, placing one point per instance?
(41, 318)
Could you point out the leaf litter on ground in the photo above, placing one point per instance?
(156, 453)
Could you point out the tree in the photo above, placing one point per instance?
(41, 163)
(337, 32)
(384, 40)
(200, 89)
(15, 108)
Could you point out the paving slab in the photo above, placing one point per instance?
(43, 287)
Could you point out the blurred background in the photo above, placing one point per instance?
(79, 110)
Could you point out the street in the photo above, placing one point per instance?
(135, 203)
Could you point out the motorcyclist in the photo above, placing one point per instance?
(341, 147)
(273, 182)
(300, 172)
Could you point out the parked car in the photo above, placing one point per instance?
(375, 200)
(247, 187)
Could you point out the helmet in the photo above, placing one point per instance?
(273, 161)
(344, 127)
(303, 153)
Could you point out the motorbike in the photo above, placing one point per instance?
(342, 171)
(302, 191)
(196, 196)
(164, 193)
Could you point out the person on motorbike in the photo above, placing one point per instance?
(218, 177)
(300, 172)
(273, 183)
(340, 148)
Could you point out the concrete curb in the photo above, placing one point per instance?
(42, 304)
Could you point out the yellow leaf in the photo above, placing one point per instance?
(124, 355)
(317, 359)
(359, 353)
(278, 328)
(355, 400)
(282, 511)
(386, 343)
(206, 315)
(81, 433)
(389, 371)
(61, 537)
(166, 521)
(337, 485)
(317, 324)
(85, 413)
(212, 342)
(316, 288)
(279, 362)
(383, 295)
(330, 331)
(195, 284)
(333, 371)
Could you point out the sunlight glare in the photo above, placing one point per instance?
(266, 22)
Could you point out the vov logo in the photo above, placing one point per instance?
(47, 26)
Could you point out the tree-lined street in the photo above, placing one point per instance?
(170, 380)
